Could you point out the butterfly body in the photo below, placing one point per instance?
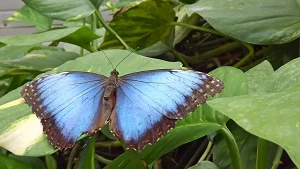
(140, 107)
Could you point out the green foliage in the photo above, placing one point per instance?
(142, 25)
(253, 21)
(250, 121)
(271, 110)
(30, 16)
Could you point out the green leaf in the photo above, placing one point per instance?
(80, 36)
(128, 160)
(3, 88)
(204, 165)
(269, 21)
(17, 81)
(34, 162)
(123, 3)
(16, 119)
(13, 52)
(30, 16)
(50, 162)
(142, 25)
(272, 110)
(258, 78)
(9, 163)
(279, 55)
(73, 48)
(62, 9)
(96, 3)
(87, 155)
(182, 32)
(40, 60)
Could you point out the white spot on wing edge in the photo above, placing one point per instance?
(22, 134)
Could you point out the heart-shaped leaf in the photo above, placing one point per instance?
(142, 25)
(81, 36)
(272, 109)
(253, 21)
(62, 9)
(30, 16)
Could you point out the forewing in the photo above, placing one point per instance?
(149, 103)
(68, 103)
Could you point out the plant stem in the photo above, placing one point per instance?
(206, 152)
(208, 55)
(233, 148)
(212, 42)
(102, 159)
(262, 153)
(198, 28)
(180, 57)
(109, 29)
(108, 144)
(91, 48)
(196, 153)
(247, 57)
(72, 155)
(277, 158)
(216, 52)
(248, 46)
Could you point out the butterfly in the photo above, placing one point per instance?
(139, 107)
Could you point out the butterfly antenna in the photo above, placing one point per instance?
(108, 60)
(125, 57)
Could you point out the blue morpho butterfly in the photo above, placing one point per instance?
(140, 107)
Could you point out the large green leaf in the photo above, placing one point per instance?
(9, 163)
(254, 21)
(142, 25)
(128, 160)
(272, 109)
(13, 52)
(87, 155)
(204, 165)
(41, 60)
(80, 36)
(96, 3)
(62, 9)
(17, 121)
(50, 162)
(30, 16)
(34, 162)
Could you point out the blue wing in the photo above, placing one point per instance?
(149, 103)
(68, 103)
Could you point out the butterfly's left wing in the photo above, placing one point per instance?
(149, 103)
(68, 104)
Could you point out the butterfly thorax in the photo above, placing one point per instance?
(111, 85)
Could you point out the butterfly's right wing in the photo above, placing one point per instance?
(69, 104)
